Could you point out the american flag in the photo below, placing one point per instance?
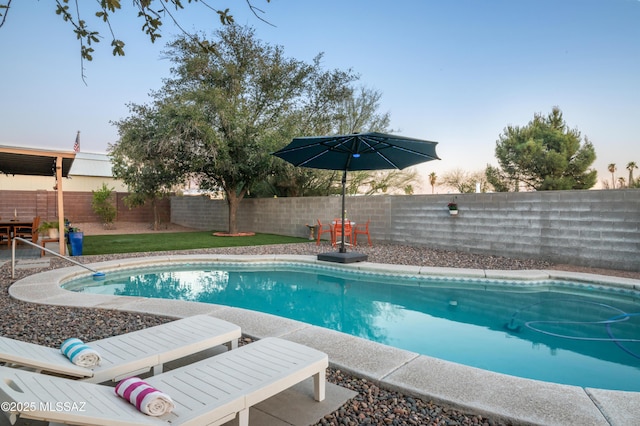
(76, 145)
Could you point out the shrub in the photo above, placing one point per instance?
(102, 205)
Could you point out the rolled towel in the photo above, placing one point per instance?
(79, 353)
(144, 397)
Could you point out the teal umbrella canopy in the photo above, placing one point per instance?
(358, 151)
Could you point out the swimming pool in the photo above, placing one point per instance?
(554, 331)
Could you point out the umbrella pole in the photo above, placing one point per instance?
(344, 184)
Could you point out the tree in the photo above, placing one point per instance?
(359, 114)
(612, 169)
(156, 149)
(432, 181)
(631, 166)
(408, 190)
(380, 181)
(498, 181)
(102, 205)
(464, 181)
(252, 100)
(545, 155)
(288, 181)
(324, 107)
(355, 112)
(151, 12)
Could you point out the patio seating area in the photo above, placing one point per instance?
(214, 390)
(351, 231)
(129, 354)
(18, 227)
(240, 386)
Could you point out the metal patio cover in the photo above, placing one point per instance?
(33, 162)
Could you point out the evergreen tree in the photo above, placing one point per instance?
(544, 155)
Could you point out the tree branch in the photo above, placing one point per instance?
(152, 22)
(6, 8)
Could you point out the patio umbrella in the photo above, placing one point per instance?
(358, 151)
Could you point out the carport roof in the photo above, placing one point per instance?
(33, 162)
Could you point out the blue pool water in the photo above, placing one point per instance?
(552, 331)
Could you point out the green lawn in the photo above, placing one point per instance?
(111, 244)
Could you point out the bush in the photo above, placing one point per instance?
(102, 205)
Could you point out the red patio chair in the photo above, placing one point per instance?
(362, 230)
(323, 229)
(337, 231)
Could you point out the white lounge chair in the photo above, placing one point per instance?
(209, 392)
(128, 354)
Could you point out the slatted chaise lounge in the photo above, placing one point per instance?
(128, 354)
(209, 392)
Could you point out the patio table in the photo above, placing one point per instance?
(335, 224)
(15, 223)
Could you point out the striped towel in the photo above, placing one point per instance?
(144, 397)
(79, 353)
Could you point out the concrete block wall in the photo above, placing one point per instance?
(587, 228)
(77, 206)
(28, 204)
(281, 216)
(200, 213)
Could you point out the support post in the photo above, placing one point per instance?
(61, 240)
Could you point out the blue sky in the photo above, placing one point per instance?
(453, 71)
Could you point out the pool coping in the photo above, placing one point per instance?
(513, 399)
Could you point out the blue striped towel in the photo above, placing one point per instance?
(79, 353)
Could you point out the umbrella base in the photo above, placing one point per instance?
(348, 257)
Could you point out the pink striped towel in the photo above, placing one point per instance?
(144, 397)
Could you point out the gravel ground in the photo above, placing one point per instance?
(49, 325)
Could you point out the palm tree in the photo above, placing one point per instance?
(621, 182)
(612, 170)
(630, 166)
(408, 190)
(432, 180)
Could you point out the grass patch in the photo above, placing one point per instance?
(132, 243)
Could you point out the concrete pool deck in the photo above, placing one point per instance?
(514, 399)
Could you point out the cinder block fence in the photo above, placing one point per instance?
(77, 205)
(586, 228)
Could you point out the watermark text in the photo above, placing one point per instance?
(59, 406)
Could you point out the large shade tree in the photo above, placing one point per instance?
(360, 114)
(252, 100)
(543, 155)
(320, 113)
(157, 147)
